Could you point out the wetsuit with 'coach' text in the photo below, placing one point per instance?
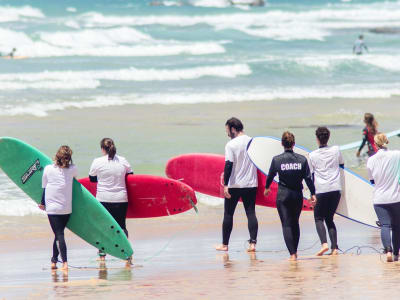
(292, 168)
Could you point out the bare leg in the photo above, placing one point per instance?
(334, 252)
(293, 257)
(53, 266)
(65, 266)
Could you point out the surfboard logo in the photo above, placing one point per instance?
(32, 169)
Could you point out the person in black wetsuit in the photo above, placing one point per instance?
(292, 168)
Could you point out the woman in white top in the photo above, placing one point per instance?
(57, 199)
(325, 163)
(383, 171)
(109, 171)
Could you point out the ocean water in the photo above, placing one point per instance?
(103, 53)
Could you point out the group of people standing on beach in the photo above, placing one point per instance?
(321, 172)
(109, 171)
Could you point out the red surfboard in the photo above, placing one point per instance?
(204, 173)
(153, 196)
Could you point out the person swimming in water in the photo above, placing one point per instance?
(359, 45)
(369, 131)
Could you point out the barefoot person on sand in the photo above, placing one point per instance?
(110, 171)
(57, 200)
(324, 165)
(292, 168)
(384, 172)
(371, 128)
(240, 181)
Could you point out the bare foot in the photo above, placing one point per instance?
(53, 266)
(252, 248)
(129, 263)
(293, 257)
(222, 247)
(334, 252)
(65, 266)
(389, 257)
(324, 248)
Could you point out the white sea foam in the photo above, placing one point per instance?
(314, 24)
(71, 9)
(350, 91)
(210, 3)
(121, 41)
(14, 202)
(12, 14)
(71, 80)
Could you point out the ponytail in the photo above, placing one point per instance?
(108, 146)
(371, 123)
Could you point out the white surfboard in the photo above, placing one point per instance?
(357, 193)
(358, 143)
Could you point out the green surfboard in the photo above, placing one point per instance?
(89, 219)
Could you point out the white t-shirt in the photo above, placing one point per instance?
(58, 184)
(111, 186)
(324, 163)
(383, 168)
(244, 172)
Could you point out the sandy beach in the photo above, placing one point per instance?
(175, 257)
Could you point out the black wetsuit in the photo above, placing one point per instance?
(292, 169)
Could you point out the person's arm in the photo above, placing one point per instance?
(271, 174)
(308, 178)
(42, 204)
(43, 197)
(227, 171)
(341, 160)
(93, 172)
(128, 168)
(364, 141)
(365, 47)
(229, 160)
(371, 178)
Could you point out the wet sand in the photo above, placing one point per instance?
(175, 257)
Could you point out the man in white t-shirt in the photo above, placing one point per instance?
(240, 181)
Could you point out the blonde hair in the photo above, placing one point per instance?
(63, 158)
(381, 140)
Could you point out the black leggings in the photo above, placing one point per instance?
(58, 224)
(324, 210)
(289, 204)
(248, 196)
(118, 212)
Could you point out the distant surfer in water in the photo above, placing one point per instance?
(57, 200)
(110, 171)
(369, 131)
(240, 181)
(252, 3)
(292, 168)
(9, 55)
(324, 165)
(359, 45)
(383, 171)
